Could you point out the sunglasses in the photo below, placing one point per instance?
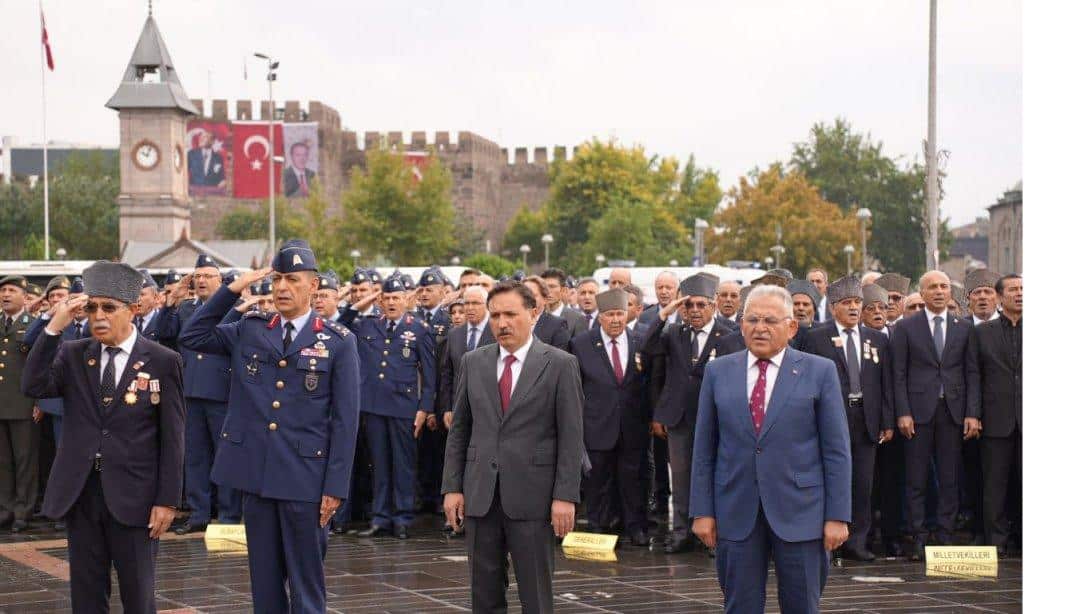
(696, 305)
(107, 308)
(915, 307)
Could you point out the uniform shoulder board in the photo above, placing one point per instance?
(263, 315)
(336, 327)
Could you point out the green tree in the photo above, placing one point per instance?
(495, 266)
(389, 212)
(246, 222)
(526, 228)
(695, 195)
(851, 170)
(18, 217)
(814, 231)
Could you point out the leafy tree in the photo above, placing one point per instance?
(814, 231)
(526, 228)
(640, 231)
(696, 194)
(851, 170)
(244, 222)
(389, 212)
(495, 266)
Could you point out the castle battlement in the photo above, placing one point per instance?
(467, 142)
(290, 111)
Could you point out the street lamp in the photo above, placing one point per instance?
(547, 241)
(864, 215)
(355, 255)
(778, 249)
(674, 262)
(849, 251)
(524, 249)
(456, 260)
(61, 253)
(272, 66)
(700, 227)
(768, 261)
(600, 260)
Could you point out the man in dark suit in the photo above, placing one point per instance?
(147, 308)
(934, 358)
(19, 433)
(548, 328)
(117, 475)
(514, 456)
(556, 281)
(298, 177)
(1000, 363)
(666, 285)
(685, 350)
(898, 288)
(615, 418)
(728, 301)
(474, 333)
(863, 359)
(587, 301)
(771, 469)
(205, 164)
(818, 278)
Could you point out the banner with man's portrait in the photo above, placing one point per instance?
(207, 157)
(302, 164)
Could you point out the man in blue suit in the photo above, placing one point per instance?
(288, 440)
(771, 463)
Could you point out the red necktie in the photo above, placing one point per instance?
(617, 367)
(757, 404)
(506, 382)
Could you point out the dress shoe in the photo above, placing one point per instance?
(19, 526)
(679, 543)
(338, 529)
(190, 527)
(640, 539)
(893, 549)
(374, 531)
(401, 532)
(857, 554)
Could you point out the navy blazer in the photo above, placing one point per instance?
(878, 402)
(920, 375)
(450, 366)
(293, 415)
(142, 445)
(53, 406)
(611, 408)
(797, 468)
(207, 374)
(553, 331)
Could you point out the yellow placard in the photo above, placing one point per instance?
(225, 537)
(225, 546)
(590, 541)
(588, 554)
(961, 561)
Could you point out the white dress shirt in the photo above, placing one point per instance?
(299, 323)
(147, 319)
(772, 375)
(704, 334)
(621, 341)
(515, 369)
(976, 321)
(846, 339)
(120, 360)
(559, 312)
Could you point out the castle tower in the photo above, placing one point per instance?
(153, 107)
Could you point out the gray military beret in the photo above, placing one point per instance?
(873, 293)
(771, 279)
(801, 286)
(115, 280)
(843, 288)
(788, 274)
(980, 278)
(959, 294)
(615, 298)
(894, 282)
(699, 284)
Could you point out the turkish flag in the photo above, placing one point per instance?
(250, 150)
(418, 160)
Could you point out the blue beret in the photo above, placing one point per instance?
(172, 277)
(409, 283)
(432, 277)
(374, 275)
(327, 282)
(149, 281)
(518, 275)
(229, 276)
(204, 260)
(359, 275)
(265, 289)
(77, 285)
(294, 256)
(255, 288)
(393, 283)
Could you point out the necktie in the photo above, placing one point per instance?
(695, 352)
(617, 366)
(287, 337)
(589, 319)
(427, 316)
(506, 382)
(389, 328)
(757, 404)
(140, 324)
(79, 330)
(472, 339)
(938, 336)
(853, 367)
(7, 322)
(108, 386)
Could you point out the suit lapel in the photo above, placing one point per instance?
(91, 356)
(712, 339)
(490, 383)
(739, 373)
(788, 374)
(535, 361)
(304, 337)
(839, 352)
(632, 348)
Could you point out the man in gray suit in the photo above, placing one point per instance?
(514, 454)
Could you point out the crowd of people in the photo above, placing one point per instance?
(304, 405)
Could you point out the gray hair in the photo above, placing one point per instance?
(476, 289)
(777, 292)
(664, 274)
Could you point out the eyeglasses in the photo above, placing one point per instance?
(696, 305)
(205, 276)
(769, 320)
(107, 308)
(894, 298)
(915, 307)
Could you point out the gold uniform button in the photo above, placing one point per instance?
(319, 452)
(272, 426)
(279, 385)
(4, 353)
(275, 404)
(383, 363)
(313, 361)
(387, 341)
(224, 435)
(283, 363)
(381, 376)
(1, 378)
(385, 352)
(200, 357)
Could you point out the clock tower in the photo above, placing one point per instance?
(153, 107)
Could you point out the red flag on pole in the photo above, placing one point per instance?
(45, 43)
(252, 158)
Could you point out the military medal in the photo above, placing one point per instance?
(876, 359)
(713, 354)
(155, 389)
(141, 380)
(130, 398)
(310, 382)
(406, 352)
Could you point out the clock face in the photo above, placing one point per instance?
(145, 155)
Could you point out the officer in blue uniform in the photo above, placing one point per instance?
(432, 440)
(398, 367)
(206, 385)
(289, 436)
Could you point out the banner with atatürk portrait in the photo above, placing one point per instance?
(207, 156)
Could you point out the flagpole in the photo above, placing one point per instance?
(45, 138)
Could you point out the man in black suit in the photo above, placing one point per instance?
(934, 358)
(684, 351)
(205, 164)
(818, 278)
(474, 333)
(666, 285)
(898, 288)
(616, 421)
(1000, 364)
(298, 177)
(863, 360)
(587, 301)
(556, 280)
(117, 475)
(514, 456)
(548, 328)
(728, 300)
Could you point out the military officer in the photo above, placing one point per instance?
(56, 293)
(172, 279)
(18, 432)
(148, 308)
(874, 308)
(206, 388)
(429, 296)
(289, 435)
(326, 297)
(398, 366)
(117, 476)
(432, 439)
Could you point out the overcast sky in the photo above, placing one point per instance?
(735, 83)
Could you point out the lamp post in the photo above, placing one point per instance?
(700, 227)
(674, 262)
(768, 261)
(864, 215)
(355, 255)
(62, 253)
(547, 241)
(600, 260)
(778, 249)
(272, 66)
(524, 249)
(849, 251)
(456, 260)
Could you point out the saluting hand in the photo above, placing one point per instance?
(668, 310)
(242, 281)
(367, 300)
(64, 313)
(34, 305)
(180, 291)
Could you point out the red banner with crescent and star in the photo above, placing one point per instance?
(252, 160)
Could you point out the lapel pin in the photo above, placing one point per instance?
(90, 363)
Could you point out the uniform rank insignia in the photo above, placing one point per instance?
(638, 361)
(310, 381)
(323, 336)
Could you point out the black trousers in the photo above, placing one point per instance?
(891, 484)
(942, 439)
(659, 468)
(1002, 459)
(971, 484)
(862, 462)
(431, 454)
(19, 443)
(616, 469)
(681, 445)
(96, 541)
(531, 546)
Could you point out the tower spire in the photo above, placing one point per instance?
(150, 80)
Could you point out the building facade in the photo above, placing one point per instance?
(1007, 231)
